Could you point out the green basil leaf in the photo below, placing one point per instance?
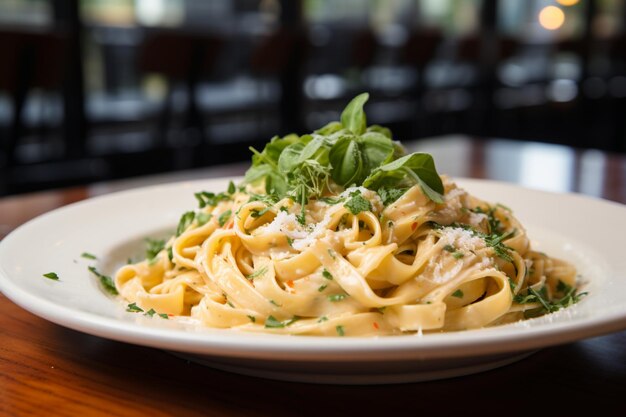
(378, 149)
(380, 129)
(347, 161)
(353, 117)
(290, 156)
(417, 168)
(329, 129)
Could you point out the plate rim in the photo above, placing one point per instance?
(485, 341)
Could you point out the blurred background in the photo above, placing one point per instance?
(95, 90)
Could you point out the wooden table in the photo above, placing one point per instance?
(46, 369)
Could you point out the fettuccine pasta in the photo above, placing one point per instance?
(348, 260)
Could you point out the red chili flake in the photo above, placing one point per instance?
(414, 226)
(375, 325)
(290, 284)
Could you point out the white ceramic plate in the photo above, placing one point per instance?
(586, 231)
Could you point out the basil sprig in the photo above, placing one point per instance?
(347, 152)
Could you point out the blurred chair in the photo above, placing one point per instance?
(420, 50)
(281, 54)
(182, 58)
(30, 60)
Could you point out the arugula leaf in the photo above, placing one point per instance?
(353, 117)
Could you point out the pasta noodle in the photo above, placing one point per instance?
(349, 261)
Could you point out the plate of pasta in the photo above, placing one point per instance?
(337, 258)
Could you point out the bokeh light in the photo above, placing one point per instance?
(551, 17)
(568, 2)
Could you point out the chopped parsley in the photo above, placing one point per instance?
(327, 274)
(185, 220)
(337, 297)
(52, 275)
(258, 213)
(331, 200)
(340, 330)
(88, 255)
(273, 323)
(153, 247)
(389, 195)
(223, 218)
(289, 241)
(231, 188)
(210, 199)
(134, 308)
(257, 273)
(105, 281)
(568, 296)
(322, 319)
(203, 218)
(322, 287)
(252, 319)
(458, 294)
(357, 203)
(150, 313)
